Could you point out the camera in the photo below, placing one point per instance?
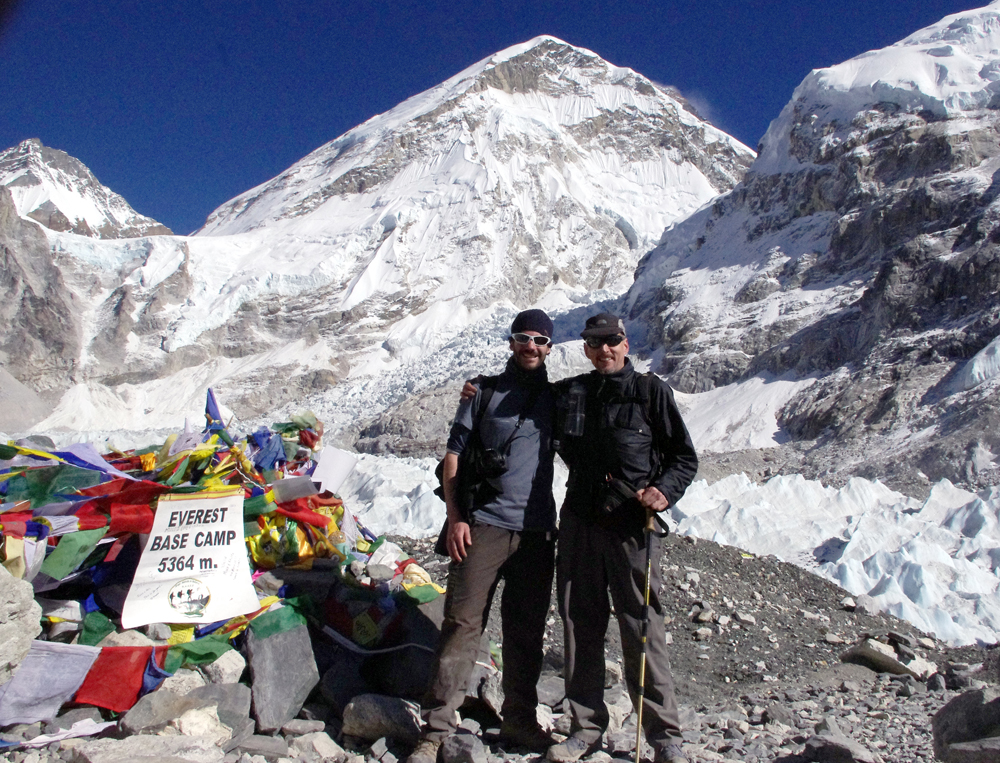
(492, 464)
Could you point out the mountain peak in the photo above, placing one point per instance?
(53, 188)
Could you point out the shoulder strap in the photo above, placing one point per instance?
(644, 384)
(487, 386)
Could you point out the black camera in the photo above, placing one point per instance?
(492, 464)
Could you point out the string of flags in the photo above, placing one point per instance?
(175, 536)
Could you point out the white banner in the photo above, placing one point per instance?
(194, 567)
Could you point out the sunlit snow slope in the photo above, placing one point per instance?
(537, 176)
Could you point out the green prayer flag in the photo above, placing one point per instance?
(199, 652)
(95, 627)
(257, 505)
(276, 620)
(422, 593)
(71, 550)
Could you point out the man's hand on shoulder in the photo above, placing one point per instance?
(652, 498)
(459, 540)
(468, 391)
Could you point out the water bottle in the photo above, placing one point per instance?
(576, 400)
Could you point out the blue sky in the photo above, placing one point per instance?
(181, 106)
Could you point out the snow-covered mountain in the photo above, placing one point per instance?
(537, 176)
(855, 270)
(58, 191)
(833, 314)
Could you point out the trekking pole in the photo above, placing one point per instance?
(648, 532)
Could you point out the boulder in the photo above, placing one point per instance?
(20, 617)
(370, 716)
(227, 669)
(317, 743)
(883, 658)
(969, 717)
(836, 748)
(283, 672)
(200, 722)
(463, 748)
(139, 749)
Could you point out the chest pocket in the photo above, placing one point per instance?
(627, 413)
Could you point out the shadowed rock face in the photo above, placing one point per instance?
(41, 339)
(904, 242)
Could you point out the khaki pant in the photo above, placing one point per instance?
(593, 560)
(525, 561)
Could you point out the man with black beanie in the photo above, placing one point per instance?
(508, 532)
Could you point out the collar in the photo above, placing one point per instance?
(538, 377)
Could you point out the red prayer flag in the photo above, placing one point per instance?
(115, 678)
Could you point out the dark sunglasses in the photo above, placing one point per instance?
(541, 341)
(596, 342)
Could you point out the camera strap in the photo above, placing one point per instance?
(528, 406)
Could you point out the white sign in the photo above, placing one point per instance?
(194, 567)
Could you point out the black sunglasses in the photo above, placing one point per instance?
(541, 341)
(596, 342)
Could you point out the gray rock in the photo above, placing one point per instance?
(157, 631)
(20, 617)
(551, 690)
(936, 683)
(882, 657)
(233, 703)
(370, 716)
(317, 743)
(268, 747)
(491, 691)
(183, 681)
(829, 748)
(155, 710)
(283, 671)
(67, 719)
(300, 726)
(138, 749)
(778, 713)
(866, 605)
(463, 748)
(226, 670)
(980, 751)
(126, 638)
(380, 572)
(202, 722)
(968, 717)
(343, 681)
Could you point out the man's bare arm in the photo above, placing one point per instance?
(459, 533)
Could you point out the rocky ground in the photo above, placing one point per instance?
(756, 661)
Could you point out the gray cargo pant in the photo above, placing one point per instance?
(593, 560)
(526, 562)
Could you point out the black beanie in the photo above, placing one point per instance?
(532, 320)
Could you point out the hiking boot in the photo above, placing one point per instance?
(529, 736)
(672, 753)
(426, 751)
(572, 749)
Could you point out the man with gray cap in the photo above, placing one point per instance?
(501, 525)
(631, 454)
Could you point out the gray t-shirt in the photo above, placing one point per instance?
(524, 501)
